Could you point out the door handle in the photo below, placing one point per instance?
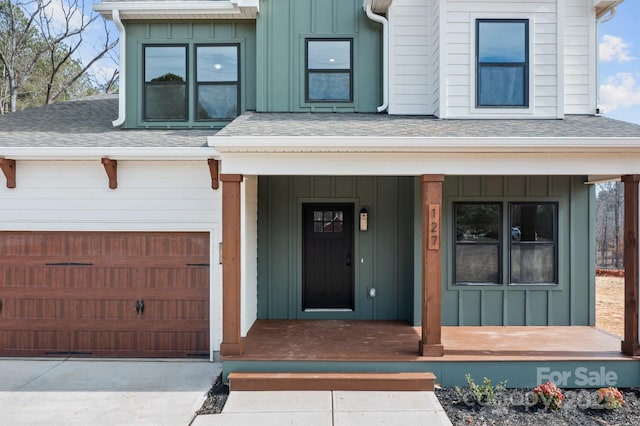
(0, 306)
(348, 261)
(137, 307)
(142, 306)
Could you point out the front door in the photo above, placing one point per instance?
(327, 256)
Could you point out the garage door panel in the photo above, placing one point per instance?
(26, 342)
(176, 278)
(175, 309)
(76, 292)
(193, 343)
(103, 278)
(31, 277)
(111, 341)
(106, 309)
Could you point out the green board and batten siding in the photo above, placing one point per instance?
(283, 26)
(383, 254)
(189, 33)
(391, 249)
(571, 301)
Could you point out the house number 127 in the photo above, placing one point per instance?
(433, 234)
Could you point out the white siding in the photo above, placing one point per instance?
(412, 63)
(579, 57)
(74, 196)
(459, 66)
(249, 267)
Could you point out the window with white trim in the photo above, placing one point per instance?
(502, 63)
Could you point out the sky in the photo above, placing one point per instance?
(619, 46)
(620, 63)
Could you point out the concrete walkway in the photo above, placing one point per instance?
(102, 392)
(328, 408)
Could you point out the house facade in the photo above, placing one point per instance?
(427, 161)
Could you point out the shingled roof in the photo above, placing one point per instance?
(87, 123)
(382, 125)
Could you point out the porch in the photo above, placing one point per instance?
(576, 356)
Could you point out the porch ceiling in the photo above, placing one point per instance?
(373, 144)
(179, 9)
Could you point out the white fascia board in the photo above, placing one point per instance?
(369, 144)
(115, 153)
(415, 164)
(140, 9)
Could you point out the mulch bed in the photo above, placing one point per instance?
(216, 398)
(510, 409)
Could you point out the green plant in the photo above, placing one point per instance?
(549, 395)
(610, 398)
(483, 394)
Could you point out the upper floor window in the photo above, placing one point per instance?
(167, 87)
(165, 83)
(502, 63)
(329, 70)
(217, 80)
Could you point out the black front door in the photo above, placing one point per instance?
(327, 256)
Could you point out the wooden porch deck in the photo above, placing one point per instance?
(370, 341)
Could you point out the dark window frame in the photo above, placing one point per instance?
(524, 65)
(554, 243)
(307, 71)
(499, 243)
(197, 83)
(184, 83)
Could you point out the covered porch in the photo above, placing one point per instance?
(580, 355)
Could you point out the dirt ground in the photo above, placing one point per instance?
(610, 304)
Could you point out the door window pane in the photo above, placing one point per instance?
(328, 221)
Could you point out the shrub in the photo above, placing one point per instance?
(549, 395)
(483, 394)
(610, 398)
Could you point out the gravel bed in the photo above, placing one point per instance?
(216, 398)
(510, 408)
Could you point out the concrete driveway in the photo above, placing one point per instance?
(102, 392)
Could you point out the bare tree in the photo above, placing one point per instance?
(46, 36)
(609, 218)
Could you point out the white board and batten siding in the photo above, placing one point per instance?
(152, 196)
(249, 258)
(413, 57)
(580, 57)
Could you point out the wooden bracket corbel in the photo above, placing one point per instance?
(111, 167)
(214, 169)
(9, 169)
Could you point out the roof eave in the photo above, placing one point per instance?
(178, 9)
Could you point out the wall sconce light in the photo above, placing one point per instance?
(364, 219)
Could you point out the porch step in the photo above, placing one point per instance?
(239, 381)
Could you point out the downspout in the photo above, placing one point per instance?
(115, 15)
(385, 53)
(611, 13)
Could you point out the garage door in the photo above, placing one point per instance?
(104, 294)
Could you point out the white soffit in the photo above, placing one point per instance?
(178, 9)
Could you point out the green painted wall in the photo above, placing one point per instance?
(191, 33)
(282, 27)
(570, 302)
(383, 254)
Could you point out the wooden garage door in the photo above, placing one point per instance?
(104, 294)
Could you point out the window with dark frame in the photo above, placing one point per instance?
(478, 243)
(165, 83)
(217, 82)
(533, 243)
(502, 63)
(329, 70)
